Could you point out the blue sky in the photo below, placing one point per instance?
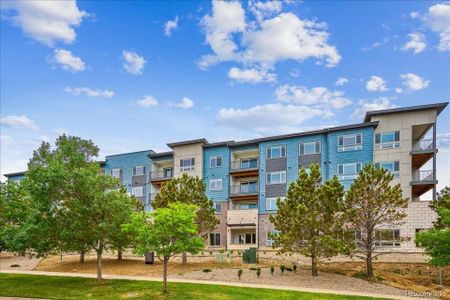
(135, 75)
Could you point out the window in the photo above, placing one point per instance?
(117, 173)
(249, 187)
(249, 163)
(247, 238)
(276, 177)
(348, 170)
(137, 191)
(215, 161)
(217, 208)
(350, 142)
(269, 238)
(239, 206)
(214, 239)
(215, 184)
(387, 140)
(391, 166)
(271, 202)
(167, 172)
(417, 232)
(309, 148)
(387, 237)
(276, 151)
(139, 170)
(187, 164)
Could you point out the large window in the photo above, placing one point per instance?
(269, 237)
(247, 238)
(137, 191)
(187, 164)
(276, 151)
(215, 161)
(310, 148)
(139, 170)
(271, 202)
(348, 170)
(214, 239)
(387, 140)
(391, 166)
(117, 173)
(248, 187)
(350, 142)
(215, 184)
(387, 237)
(276, 177)
(240, 205)
(249, 163)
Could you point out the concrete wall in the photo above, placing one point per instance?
(188, 151)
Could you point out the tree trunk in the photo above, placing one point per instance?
(313, 265)
(165, 275)
(184, 258)
(369, 267)
(119, 254)
(82, 257)
(99, 260)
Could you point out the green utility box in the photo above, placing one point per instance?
(249, 256)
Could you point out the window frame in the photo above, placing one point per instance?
(214, 181)
(216, 158)
(270, 174)
(142, 191)
(213, 238)
(353, 147)
(380, 145)
(302, 146)
(115, 169)
(282, 149)
(271, 199)
(348, 176)
(394, 242)
(135, 168)
(191, 167)
(217, 205)
(395, 163)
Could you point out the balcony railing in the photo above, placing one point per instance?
(248, 189)
(425, 144)
(424, 175)
(242, 165)
(161, 175)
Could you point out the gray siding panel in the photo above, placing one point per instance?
(276, 190)
(305, 161)
(139, 180)
(275, 164)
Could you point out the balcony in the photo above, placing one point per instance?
(422, 151)
(245, 191)
(157, 177)
(423, 181)
(242, 218)
(244, 168)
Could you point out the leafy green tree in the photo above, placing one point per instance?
(309, 220)
(167, 231)
(190, 190)
(436, 241)
(373, 204)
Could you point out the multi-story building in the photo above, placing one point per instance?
(245, 178)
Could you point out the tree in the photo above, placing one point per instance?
(436, 241)
(373, 205)
(167, 231)
(309, 219)
(190, 190)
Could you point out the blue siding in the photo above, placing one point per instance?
(216, 173)
(126, 162)
(16, 177)
(365, 155)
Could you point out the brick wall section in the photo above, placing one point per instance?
(419, 216)
(221, 228)
(264, 226)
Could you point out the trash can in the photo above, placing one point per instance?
(252, 256)
(149, 258)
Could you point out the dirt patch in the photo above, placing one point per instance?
(9, 261)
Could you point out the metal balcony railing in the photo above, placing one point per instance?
(424, 175)
(244, 189)
(157, 175)
(242, 165)
(424, 144)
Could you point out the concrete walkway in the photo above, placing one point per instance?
(223, 283)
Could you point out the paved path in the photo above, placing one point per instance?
(224, 283)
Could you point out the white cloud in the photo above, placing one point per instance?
(367, 105)
(269, 118)
(317, 96)
(46, 21)
(89, 92)
(133, 63)
(384, 41)
(262, 10)
(341, 81)
(147, 101)
(414, 15)
(170, 26)
(376, 84)
(416, 43)
(414, 82)
(443, 140)
(438, 20)
(68, 61)
(265, 42)
(295, 73)
(14, 121)
(251, 75)
(185, 103)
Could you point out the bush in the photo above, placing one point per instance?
(295, 268)
(240, 273)
(272, 269)
(289, 269)
(210, 252)
(252, 268)
(258, 272)
(206, 270)
(15, 266)
(282, 268)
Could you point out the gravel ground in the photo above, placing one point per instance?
(25, 263)
(302, 278)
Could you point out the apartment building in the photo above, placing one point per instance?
(245, 178)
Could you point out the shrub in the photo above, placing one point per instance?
(252, 268)
(206, 270)
(240, 273)
(210, 252)
(288, 269)
(15, 266)
(272, 269)
(258, 272)
(295, 268)
(282, 268)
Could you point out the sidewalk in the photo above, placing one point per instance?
(223, 283)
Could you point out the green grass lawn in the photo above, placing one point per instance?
(56, 287)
